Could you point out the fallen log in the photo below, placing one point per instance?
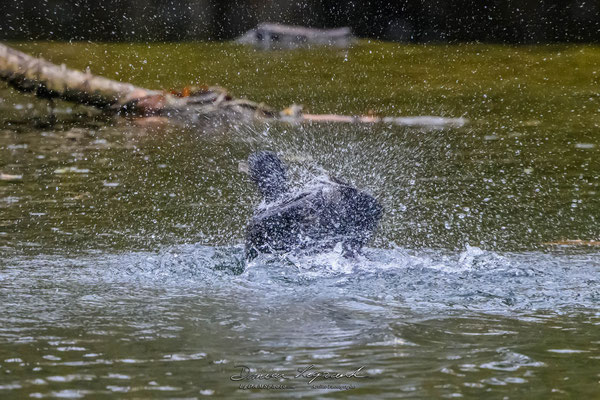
(277, 36)
(47, 80)
(50, 81)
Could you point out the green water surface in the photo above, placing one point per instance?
(522, 173)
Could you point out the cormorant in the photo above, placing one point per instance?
(315, 218)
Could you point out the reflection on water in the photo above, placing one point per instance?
(125, 186)
(121, 260)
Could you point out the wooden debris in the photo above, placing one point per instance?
(277, 36)
(420, 121)
(46, 80)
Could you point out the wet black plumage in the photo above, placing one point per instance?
(315, 218)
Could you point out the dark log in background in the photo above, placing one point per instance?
(496, 21)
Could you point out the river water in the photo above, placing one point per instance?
(121, 240)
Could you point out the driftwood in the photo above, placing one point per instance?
(47, 80)
(277, 36)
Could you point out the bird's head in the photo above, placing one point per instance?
(269, 174)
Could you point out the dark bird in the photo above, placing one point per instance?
(315, 218)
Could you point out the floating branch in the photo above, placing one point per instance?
(47, 80)
(420, 121)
